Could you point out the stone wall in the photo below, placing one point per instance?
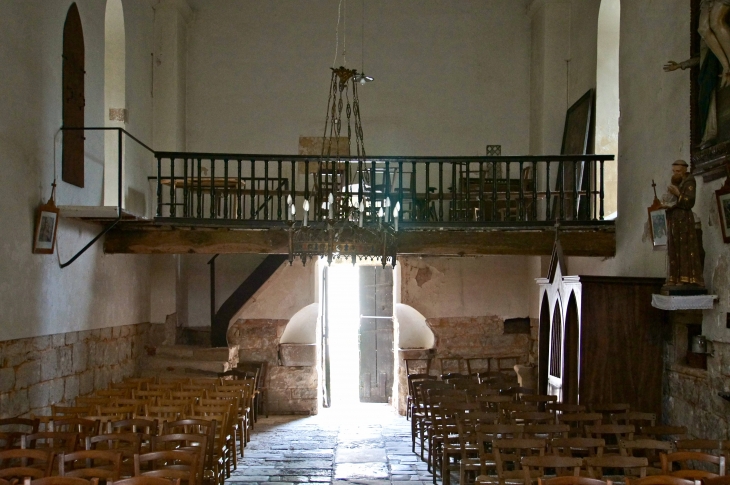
(55, 369)
(691, 394)
(289, 390)
(466, 338)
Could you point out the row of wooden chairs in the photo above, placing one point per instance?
(141, 480)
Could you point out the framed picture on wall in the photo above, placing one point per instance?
(658, 226)
(46, 225)
(723, 208)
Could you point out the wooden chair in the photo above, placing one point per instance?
(63, 481)
(578, 421)
(137, 404)
(508, 454)
(723, 480)
(17, 427)
(636, 418)
(70, 411)
(661, 480)
(174, 464)
(560, 407)
(420, 421)
(136, 425)
(649, 449)
(165, 412)
(222, 457)
(92, 401)
(534, 466)
(108, 469)
(572, 480)
(546, 431)
(126, 444)
(145, 481)
(608, 410)
(148, 395)
(110, 393)
(612, 433)
(412, 380)
(14, 481)
(541, 400)
(470, 447)
(54, 441)
(670, 433)
(578, 447)
(83, 427)
(448, 431)
(532, 417)
(200, 427)
(713, 447)
(190, 442)
(596, 465)
(6, 441)
(681, 458)
(20, 463)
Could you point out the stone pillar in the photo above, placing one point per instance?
(169, 71)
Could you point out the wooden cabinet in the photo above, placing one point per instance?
(601, 341)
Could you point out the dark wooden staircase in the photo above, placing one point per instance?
(229, 308)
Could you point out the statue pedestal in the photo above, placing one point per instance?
(683, 302)
(683, 290)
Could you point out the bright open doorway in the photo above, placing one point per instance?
(344, 320)
(358, 323)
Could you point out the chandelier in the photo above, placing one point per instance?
(343, 232)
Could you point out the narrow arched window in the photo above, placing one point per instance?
(607, 96)
(73, 98)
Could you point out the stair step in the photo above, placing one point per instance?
(222, 354)
(182, 363)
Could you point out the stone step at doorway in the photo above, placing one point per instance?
(188, 360)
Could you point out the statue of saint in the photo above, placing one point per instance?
(683, 244)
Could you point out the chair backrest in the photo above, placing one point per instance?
(532, 417)
(204, 426)
(58, 442)
(136, 425)
(723, 480)
(167, 412)
(561, 464)
(596, 464)
(578, 421)
(707, 446)
(108, 469)
(19, 425)
(663, 432)
(682, 458)
(128, 444)
(661, 480)
(19, 463)
(645, 446)
(636, 418)
(546, 431)
(146, 481)
(565, 408)
(618, 431)
(509, 452)
(572, 480)
(168, 464)
(567, 446)
(70, 411)
(64, 481)
(194, 443)
(121, 412)
(86, 427)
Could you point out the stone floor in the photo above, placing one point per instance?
(365, 444)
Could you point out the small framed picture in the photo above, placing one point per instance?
(723, 208)
(46, 225)
(658, 225)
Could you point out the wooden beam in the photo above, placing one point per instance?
(576, 241)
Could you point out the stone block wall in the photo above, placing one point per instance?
(55, 369)
(470, 337)
(289, 389)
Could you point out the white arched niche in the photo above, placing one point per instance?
(114, 96)
(413, 331)
(607, 96)
(302, 327)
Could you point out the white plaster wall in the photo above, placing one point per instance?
(653, 131)
(450, 77)
(302, 327)
(36, 296)
(453, 287)
(413, 331)
(288, 290)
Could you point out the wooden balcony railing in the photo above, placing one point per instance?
(431, 191)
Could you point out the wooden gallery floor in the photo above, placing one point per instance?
(367, 444)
